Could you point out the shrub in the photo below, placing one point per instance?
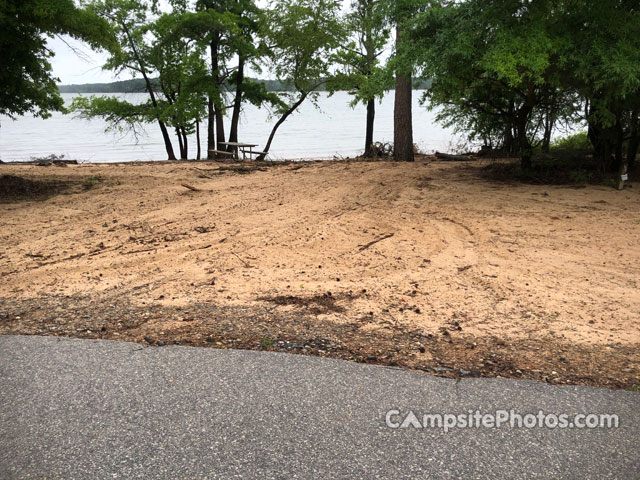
(577, 142)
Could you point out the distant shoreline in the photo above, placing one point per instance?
(138, 85)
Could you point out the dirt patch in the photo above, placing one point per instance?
(430, 265)
(15, 188)
(317, 304)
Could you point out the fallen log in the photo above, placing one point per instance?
(46, 162)
(454, 158)
(486, 151)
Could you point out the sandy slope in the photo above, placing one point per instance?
(429, 246)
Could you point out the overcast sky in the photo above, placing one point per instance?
(86, 68)
(70, 67)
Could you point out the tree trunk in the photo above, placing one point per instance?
(549, 122)
(370, 56)
(402, 118)
(371, 116)
(180, 144)
(623, 174)
(199, 148)
(237, 102)
(167, 141)
(507, 142)
(211, 137)
(217, 108)
(603, 146)
(284, 116)
(219, 127)
(632, 151)
(595, 137)
(634, 140)
(163, 128)
(524, 147)
(619, 164)
(606, 141)
(185, 143)
(622, 162)
(546, 142)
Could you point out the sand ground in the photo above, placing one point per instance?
(426, 265)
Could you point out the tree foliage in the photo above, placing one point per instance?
(129, 21)
(26, 76)
(302, 37)
(509, 71)
(360, 69)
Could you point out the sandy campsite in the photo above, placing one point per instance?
(427, 266)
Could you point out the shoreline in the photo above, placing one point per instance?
(187, 161)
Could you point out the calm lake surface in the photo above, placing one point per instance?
(335, 129)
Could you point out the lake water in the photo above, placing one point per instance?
(335, 129)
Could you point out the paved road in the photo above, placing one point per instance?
(78, 409)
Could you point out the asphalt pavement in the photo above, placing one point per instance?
(76, 409)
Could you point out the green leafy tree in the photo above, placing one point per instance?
(185, 59)
(151, 45)
(182, 72)
(129, 21)
(360, 69)
(229, 30)
(249, 50)
(302, 38)
(400, 14)
(27, 84)
(492, 64)
(211, 24)
(510, 70)
(120, 116)
(603, 51)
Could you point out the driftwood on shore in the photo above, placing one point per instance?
(454, 158)
(48, 163)
(373, 242)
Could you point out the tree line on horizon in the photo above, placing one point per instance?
(137, 85)
(507, 73)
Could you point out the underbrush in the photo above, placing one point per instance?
(570, 161)
(547, 172)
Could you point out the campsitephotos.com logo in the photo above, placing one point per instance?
(499, 419)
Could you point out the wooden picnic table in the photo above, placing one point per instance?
(237, 145)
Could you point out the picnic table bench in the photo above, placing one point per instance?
(222, 152)
(251, 152)
(245, 148)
